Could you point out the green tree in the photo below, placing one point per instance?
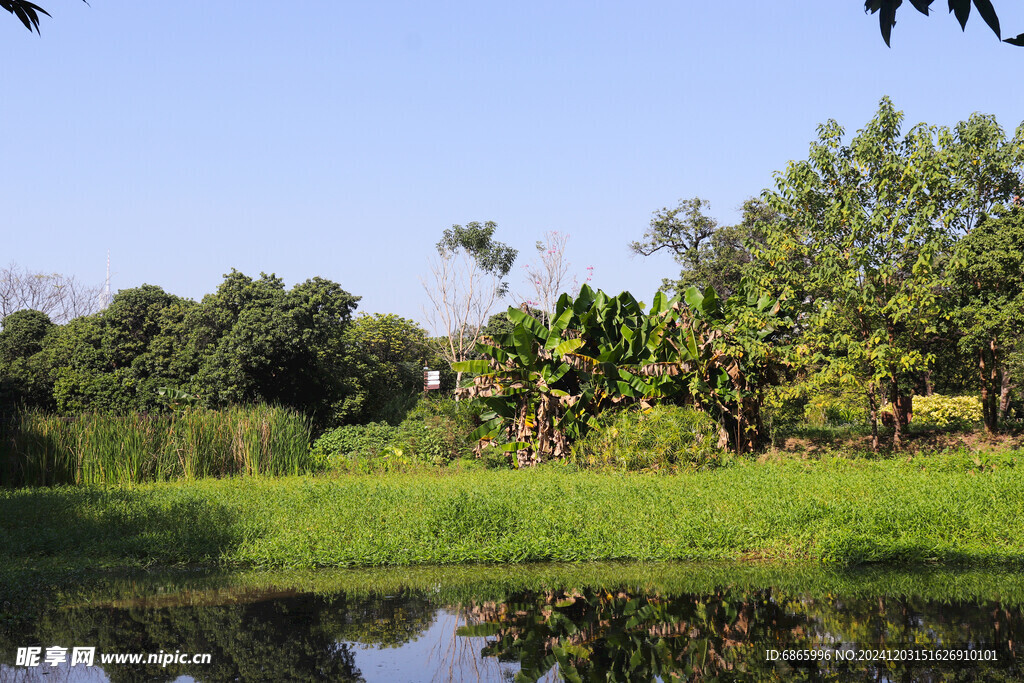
(23, 334)
(860, 231)
(392, 352)
(83, 379)
(254, 341)
(23, 377)
(988, 276)
(251, 341)
(467, 280)
(114, 360)
(711, 255)
(542, 385)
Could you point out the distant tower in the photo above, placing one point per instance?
(106, 286)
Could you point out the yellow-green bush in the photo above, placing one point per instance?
(834, 409)
(946, 411)
(662, 438)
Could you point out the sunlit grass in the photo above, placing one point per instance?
(834, 511)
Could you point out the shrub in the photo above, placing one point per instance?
(352, 442)
(830, 410)
(664, 437)
(783, 409)
(947, 411)
(436, 431)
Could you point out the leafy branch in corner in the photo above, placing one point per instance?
(886, 10)
(26, 11)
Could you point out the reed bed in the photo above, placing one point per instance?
(39, 449)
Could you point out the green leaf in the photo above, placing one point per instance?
(560, 323)
(660, 304)
(494, 352)
(568, 346)
(710, 304)
(513, 446)
(524, 345)
(478, 367)
(487, 429)
(552, 377)
(693, 298)
(691, 344)
(535, 326)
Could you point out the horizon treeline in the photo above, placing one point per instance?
(251, 341)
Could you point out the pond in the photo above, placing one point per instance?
(588, 622)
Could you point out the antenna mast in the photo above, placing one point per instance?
(106, 286)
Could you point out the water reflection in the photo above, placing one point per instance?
(669, 622)
(599, 635)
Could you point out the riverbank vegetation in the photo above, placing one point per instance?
(41, 449)
(938, 508)
(835, 378)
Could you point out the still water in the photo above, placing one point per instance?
(583, 622)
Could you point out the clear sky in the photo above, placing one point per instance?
(339, 139)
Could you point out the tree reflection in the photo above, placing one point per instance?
(281, 637)
(593, 635)
(578, 634)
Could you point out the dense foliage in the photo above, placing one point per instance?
(433, 433)
(899, 256)
(663, 438)
(886, 265)
(543, 385)
(251, 341)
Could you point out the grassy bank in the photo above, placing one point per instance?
(948, 509)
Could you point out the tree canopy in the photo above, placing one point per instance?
(467, 280)
(864, 234)
(988, 282)
(253, 340)
(710, 255)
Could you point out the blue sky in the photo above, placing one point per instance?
(340, 139)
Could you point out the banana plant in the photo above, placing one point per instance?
(543, 385)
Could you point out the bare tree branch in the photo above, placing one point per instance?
(59, 296)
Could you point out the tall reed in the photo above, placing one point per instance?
(38, 449)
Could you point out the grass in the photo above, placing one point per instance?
(941, 509)
(43, 450)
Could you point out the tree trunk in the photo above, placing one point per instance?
(873, 408)
(988, 371)
(903, 409)
(1005, 391)
(899, 412)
